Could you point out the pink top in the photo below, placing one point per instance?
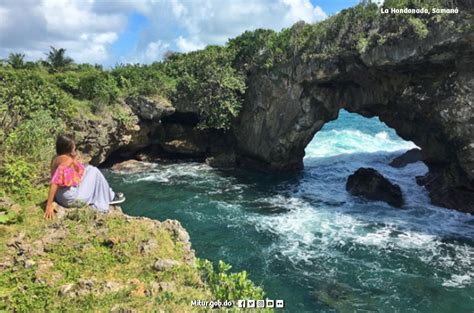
(67, 176)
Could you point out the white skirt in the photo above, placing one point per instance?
(93, 190)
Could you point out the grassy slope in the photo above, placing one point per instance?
(99, 258)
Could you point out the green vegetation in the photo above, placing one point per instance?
(88, 261)
(207, 79)
(39, 99)
(227, 286)
(57, 61)
(43, 97)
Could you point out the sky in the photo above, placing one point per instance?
(110, 32)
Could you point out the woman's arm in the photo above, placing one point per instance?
(49, 213)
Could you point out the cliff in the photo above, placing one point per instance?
(88, 261)
(104, 262)
(419, 84)
(413, 72)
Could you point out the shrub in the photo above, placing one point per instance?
(228, 286)
(24, 92)
(99, 86)
(17, 176)
(136, 79)
(419, 27)
(207, 79)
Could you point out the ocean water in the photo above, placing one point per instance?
(307, 241)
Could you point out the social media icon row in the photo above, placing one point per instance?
(268, 303)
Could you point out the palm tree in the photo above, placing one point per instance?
(16, 60)
(57, 61)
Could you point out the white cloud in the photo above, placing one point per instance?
(303, 10)
(69, 16)
(32, 27)
(155, 50)
(214, 22)
(186, 45)
(88, 28)
(3, 18)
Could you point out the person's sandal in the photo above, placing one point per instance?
(119, 198)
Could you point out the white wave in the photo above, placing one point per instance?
(459, 281)
(165, 173)
(348, 141)
(313, 235)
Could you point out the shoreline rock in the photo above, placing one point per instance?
(410, 156)
(370, 184)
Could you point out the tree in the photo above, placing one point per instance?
(57, 61)
(16, 60)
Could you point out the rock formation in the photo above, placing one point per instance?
(423, 88)
(411, 156)
(370, 184)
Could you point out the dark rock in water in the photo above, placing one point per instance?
(223, 160)
(411, 156)
(370, 184)
(447, 189)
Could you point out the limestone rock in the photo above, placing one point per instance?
(164, 264)
(177, 231)
(410, 156)
(97, 139)
(29, 263)
(370, 184)
(148, 246)
(66, 290)
(112, 286)
(420, 87)
(182, 146)
(148, 108)
(132, 166)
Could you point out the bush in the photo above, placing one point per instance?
(25, 92)
(136, 79)
(207, 78)
(228, 286)
(34, 138)
(17, 176)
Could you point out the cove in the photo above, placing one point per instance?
(307, 241)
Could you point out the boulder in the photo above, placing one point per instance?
(162, 265)
(223, 160)
(410, 156)
(148, 246)
(370, 184)
(132, 166)
(183, 146)
(150, 108)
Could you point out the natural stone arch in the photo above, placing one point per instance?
(422, 89)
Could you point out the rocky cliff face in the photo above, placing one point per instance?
(123, 134)
(423, 88)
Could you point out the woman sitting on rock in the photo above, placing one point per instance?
(72, 184)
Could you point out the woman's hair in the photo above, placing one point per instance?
(64, 144)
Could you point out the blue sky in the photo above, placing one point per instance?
(108, 32)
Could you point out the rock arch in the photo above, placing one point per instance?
(424, 89)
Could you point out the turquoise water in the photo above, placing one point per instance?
(307, 241)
